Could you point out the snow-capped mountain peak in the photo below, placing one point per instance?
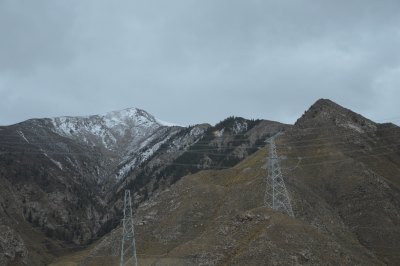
(115, 130)
(128, 116)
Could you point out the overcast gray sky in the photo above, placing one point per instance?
(198, 61)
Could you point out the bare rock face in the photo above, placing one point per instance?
(12, 247)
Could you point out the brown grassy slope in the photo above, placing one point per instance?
(217, 218)
(355, 174)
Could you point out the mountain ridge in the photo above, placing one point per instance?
(326, 112)
(49, 179)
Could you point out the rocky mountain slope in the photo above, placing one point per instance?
(342, 172)
(196, 148)
(54, 174)
(61, 179)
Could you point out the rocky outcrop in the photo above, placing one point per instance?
(325, 113)
(12, 247)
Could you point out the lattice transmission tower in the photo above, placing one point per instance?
(276, 195)
(128, 245)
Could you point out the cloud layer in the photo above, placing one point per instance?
(198, 61)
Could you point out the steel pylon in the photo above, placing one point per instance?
(276, 195)
(128, 245)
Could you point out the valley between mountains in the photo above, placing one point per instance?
(198, 191)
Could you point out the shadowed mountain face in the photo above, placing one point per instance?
(199, 190)
(62, 177)
(54, 174)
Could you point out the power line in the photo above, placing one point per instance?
(219, 148)
(301, 164)
(198, 143)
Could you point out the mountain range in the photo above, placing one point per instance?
(198, 190)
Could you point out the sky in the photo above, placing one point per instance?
(197, 61)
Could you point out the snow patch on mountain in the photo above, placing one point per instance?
(57, 163)
(139, 155)
(126, 168)
(23, 136)
(112, 122)
(239, 127)
(130, 136)
(167, 124)
(115, 130)
(196, 131)
(176, 144)
(219, 133)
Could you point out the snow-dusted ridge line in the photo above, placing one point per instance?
(116, 120)
(129, 136)
(108, 126)
(168, 124)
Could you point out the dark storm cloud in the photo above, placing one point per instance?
(198, 61)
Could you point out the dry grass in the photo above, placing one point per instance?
(217, 218)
